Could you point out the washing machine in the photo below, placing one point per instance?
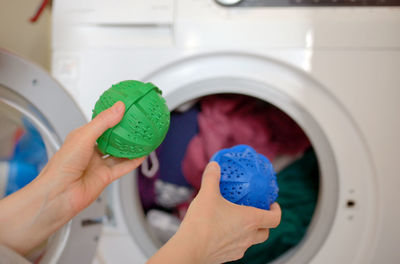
(332, 66)
(36, 114)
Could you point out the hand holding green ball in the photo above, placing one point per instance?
(145, 122)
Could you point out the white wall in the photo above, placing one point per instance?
(17, 34)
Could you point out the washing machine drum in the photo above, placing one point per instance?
(36, 114)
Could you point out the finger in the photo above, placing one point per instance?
(96, 177)
(261, 236)
(211, 178)
(265, 218)
(270, 218)
(103, 121)
(125, 166)
(97, 181)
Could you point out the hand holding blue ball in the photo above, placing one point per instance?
(247, 177)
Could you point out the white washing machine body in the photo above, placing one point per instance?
(332, 69)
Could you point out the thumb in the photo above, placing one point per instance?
(105, 120)
(211, 178)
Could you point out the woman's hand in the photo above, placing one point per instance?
(79, 167)
(215, 230)
(73, 178)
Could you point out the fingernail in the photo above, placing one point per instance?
(274, 205)
(214, 164)
(118, 107)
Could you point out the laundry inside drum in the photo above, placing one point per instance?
(171, 176)
(23, 154)
(23, 151)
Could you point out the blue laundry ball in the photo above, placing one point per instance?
(247, 177)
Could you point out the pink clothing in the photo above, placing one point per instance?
(229, 120)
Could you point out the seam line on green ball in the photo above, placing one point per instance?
(126, 110)
(151, 88)
(138, 99)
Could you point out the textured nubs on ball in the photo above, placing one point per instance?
(144, 124)
(247, 177)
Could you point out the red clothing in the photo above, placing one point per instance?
(226, 121)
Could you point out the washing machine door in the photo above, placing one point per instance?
(344, 222)
(36, 114)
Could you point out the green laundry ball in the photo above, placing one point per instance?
(145, 122)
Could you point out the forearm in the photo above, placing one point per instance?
(28, 217)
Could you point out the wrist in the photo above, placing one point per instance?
(182, 248)
(190, 246)
(30, 216)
